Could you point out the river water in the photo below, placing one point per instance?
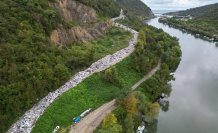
(194, 100)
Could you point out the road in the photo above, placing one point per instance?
(151, 73)
(92, 120)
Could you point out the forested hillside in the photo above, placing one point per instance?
(204, 21)
(112, 7)
(103, 7)
(209, 12)
(136, 7)
(30, 65)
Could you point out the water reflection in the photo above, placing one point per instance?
(193, 101)
(152, 127)
(165, 107)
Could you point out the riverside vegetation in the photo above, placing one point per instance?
(204, 20)
(141, 105)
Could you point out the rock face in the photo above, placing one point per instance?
(72, 10)
(78, 34)
(28, 120)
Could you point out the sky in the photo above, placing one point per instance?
(176, 4)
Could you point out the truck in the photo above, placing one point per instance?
(78, 118)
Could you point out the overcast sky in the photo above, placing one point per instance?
(176, 4)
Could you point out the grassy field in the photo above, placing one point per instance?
(91, 93)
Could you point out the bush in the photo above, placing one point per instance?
(110, 75)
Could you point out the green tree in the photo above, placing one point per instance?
(110, 125)
(152, 111)
(110, 75)
(128, 124)
(130, 104)
(61, 72)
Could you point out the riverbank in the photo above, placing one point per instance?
(140, 106)
(194, 87)
(204, 29)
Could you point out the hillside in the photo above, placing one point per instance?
(209, 12)
(136, 7)
(133, 8)
(204, 21)
(43, 43)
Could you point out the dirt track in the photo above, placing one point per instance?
(151, 73)
(92, 120)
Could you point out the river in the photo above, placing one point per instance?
(194, 100)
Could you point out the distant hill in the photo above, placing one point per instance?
(137, 7)
(112, 7)
(204, 21)
(209, 12)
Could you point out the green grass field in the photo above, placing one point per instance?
(91, 93)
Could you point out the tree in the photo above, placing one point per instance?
(111, 75)
(130, 104)
(141, 101)
(116, 128)
(61, 72)
(109, 120)
(140, 46)
(129, 124)
(110, 125)
(164, 73)
(152, 111)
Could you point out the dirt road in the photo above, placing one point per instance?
(151, 73)
(92, 120)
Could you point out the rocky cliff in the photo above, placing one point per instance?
(79, 34)
(73, 11)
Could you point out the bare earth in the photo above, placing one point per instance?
(92, 120)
